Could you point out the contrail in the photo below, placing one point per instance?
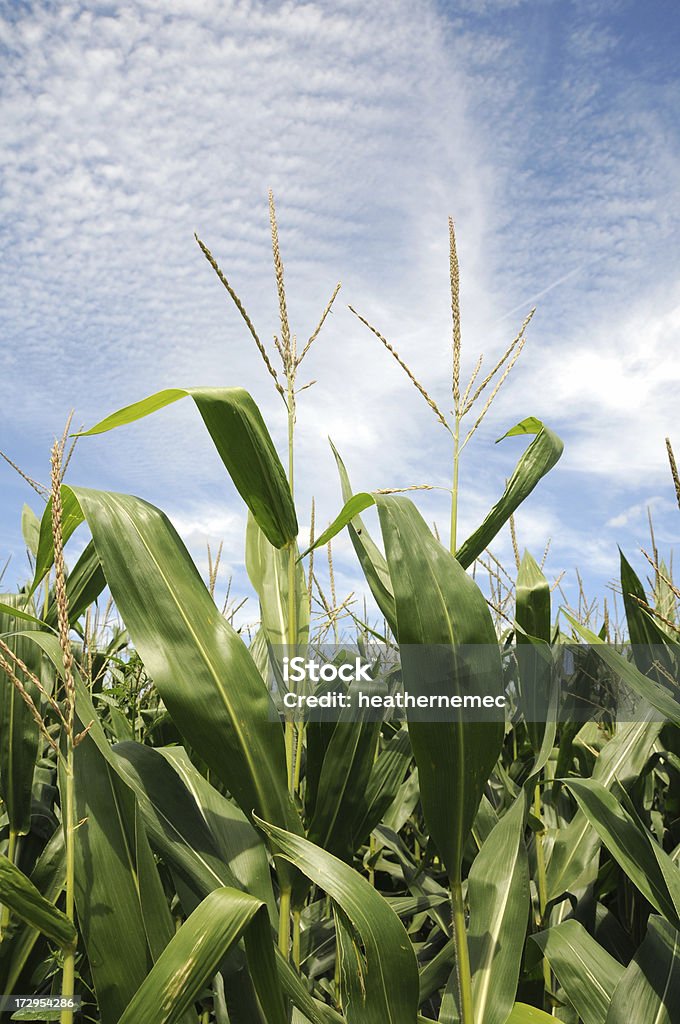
(539, 295)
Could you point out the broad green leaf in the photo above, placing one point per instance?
(649, 643)
(20, 894)
(383, 785)
(441, 612)
(586, 972)
(269, 570)
(193, 956)
(242, 440)
(19, 736)
(8, 610)
(634, 849)
(539, 458)
(30, 529)
(108, 895)
(237, 841)
(343, 781)
(524, 1014)
(48, 876)
(175, 825)
(199, 664)
(84, 584)
(621, 761)
(498, 894)
(649, 990)
(650, 690)
(378, 965)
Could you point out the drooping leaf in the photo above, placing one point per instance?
(649, 689)
(191, 959)
(242, 440)
(20, 894)
(648, 866)
(379, 976)
(621, 761)
(649, 990)
(539, 458)
(586, 972)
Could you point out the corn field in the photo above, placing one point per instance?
(178, 848)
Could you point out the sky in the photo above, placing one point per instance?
(548, 130)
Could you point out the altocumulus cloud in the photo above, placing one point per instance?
(125, 127)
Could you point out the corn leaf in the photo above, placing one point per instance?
(648, 866)
(649, 989)
(440, 610)
(621, 761)
(242, 440)
(199, 664)
(22, 897)
(586, 972)
(193, 956)
(539, 458)
(498, 893)
(18, 732)
(378, 965)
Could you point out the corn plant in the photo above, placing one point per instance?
(176, 849)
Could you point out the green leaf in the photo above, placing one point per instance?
(19, 738)
(650, 987)
(193, 956)
(84, 584)
(440, 613)
(268, 570)
(370, 556)
(645, 863)
(11, 612)
(20, 894)
(498, 894)
(651, 691)
(586, 972)
(524, 1014)
(199, 664)
(174, 823)
(30, 529)
(379, 976)
(108, 892)
(242, 440)
(48, 876)
(539, 458)
(621, 761)
(343, 781)
(238, 843)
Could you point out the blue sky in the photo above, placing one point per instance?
(549, 130)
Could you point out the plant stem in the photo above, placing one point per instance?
(68, 975)
(462, 954)
(284, 922)
(296, 939)
(542, 881)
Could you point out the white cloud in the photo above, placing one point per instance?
(125, 127)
